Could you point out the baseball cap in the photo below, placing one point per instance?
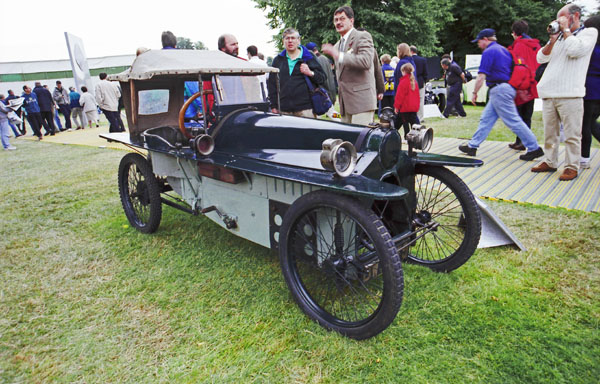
(311, 46)
(488, 32)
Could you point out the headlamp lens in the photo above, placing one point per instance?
(338, 156)
(342, 159)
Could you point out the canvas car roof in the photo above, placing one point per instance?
(185, 62)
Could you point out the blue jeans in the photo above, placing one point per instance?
(14, 129)
(501, 104)
(4, 132)
(57, 120)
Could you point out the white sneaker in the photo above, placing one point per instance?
(584, 164)
(10, 148)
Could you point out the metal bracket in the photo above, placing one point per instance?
(230, 221)
(187, 178)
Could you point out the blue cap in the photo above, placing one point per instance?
(488, 32)
(311, 46)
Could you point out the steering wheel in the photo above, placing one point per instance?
(185, 107)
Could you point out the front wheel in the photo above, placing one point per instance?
(447, 221)
(340, 264)
(140, 193)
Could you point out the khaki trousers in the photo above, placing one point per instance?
(422, 97)
(364, 118)
(303, 113)
(569, 112)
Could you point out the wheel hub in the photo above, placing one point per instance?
(422, 218)
(334, 266)
(141, 193)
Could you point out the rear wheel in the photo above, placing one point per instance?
(140, 193)
(447, 222)
(340, 264)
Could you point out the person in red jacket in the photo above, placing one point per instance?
(407, 101)
(524, 48)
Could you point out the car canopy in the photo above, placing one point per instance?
(185, 62)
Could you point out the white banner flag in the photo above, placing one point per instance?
(79, 64)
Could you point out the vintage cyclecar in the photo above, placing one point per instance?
(344, 205)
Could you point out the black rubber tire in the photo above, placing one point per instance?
(356, 291)
(140, 193)
(450, 203)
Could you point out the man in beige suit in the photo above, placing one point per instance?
(354, 57)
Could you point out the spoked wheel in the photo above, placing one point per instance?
(447, 222)
(340, 264)
(140, 193)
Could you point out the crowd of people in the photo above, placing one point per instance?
(40, 109)
(568, 87)
(363, 83)
(570, 63)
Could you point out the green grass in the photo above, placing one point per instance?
(85, 298)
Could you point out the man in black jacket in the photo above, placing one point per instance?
(46, 108)
(296, 65)
(421, 75)
(454, 79)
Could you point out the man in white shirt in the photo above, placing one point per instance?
(562, 89)
(253, 58)
(107, 97)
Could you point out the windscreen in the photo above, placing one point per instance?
(240, 89)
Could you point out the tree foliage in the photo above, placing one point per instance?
(185, 43)
(471, 16)
(434, 26)
(391, 22)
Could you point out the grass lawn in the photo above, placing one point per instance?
(85, 298)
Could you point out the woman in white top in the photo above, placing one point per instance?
(90, 108)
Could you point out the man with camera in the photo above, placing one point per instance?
(562, 88)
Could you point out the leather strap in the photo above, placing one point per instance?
(361, 138)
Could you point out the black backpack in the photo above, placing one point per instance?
(468, 75)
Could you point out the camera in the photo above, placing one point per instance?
(553, 28)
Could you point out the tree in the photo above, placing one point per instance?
(185, 43)
(391, 22)
(434, 26)
(471, 16)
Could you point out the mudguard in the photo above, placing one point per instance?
(441, 160)
(355, 185)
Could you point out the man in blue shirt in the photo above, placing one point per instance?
(495, 69)
(76, 111)
(33, 111)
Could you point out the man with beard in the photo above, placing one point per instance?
(228, 43)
